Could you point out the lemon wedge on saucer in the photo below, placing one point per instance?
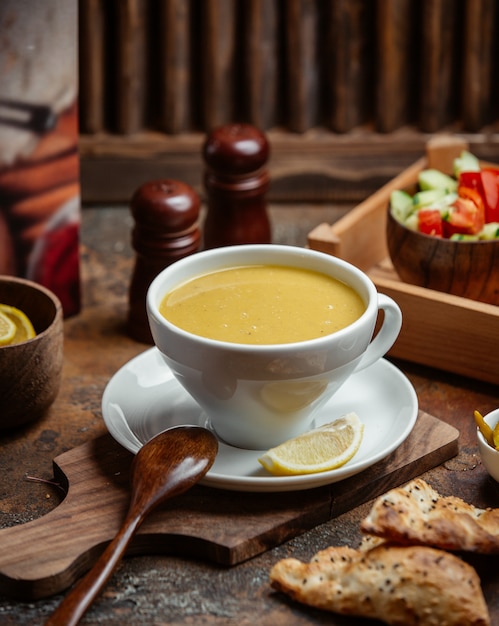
(18, 321)
(325, 448)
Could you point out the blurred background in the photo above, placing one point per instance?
(348, 91)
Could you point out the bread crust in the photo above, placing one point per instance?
(417, 514)
(400, 585)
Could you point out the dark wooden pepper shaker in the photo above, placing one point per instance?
(166, 214)
(236, 183)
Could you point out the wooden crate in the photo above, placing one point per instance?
(440, 330)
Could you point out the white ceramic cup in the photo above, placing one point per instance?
(257, 396)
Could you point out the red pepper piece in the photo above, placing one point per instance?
(473, 180)
(490, 184)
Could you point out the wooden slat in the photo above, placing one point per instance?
(477, 72)
(439, 63)
(260, 62)
(394, 71)
(175, 63)
(131, 59)
(320, 169)
(324, 168)
(348, 63)
(301, 18)
(217, 62)
(91, 66)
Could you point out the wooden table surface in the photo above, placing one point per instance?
(172, 590)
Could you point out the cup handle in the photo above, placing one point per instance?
(387, 334)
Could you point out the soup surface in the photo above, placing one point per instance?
(262, 304)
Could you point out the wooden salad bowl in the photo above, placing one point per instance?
(469, 269)
(30, 371)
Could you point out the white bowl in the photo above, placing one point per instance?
(488, 454)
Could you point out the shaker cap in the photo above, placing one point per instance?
(235, 149)
(167, 204)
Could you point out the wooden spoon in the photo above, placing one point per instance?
(166, 466)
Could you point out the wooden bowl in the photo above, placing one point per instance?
(30, 372)
(469, 269)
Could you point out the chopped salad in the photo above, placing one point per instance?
(463, 208)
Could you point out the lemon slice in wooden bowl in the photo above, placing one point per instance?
(7, 330)
(320, 450)
(23, 328)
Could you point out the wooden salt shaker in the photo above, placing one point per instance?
(166, 214)
(236, 184)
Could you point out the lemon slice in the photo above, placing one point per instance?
(23, 328)
(319, 450)
(7, 330)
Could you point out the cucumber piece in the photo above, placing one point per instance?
(427, 197)
(463, 237)
(444, 204)
(434, 179)
(412, 222)
(489, 231)
(400, 204)
(466, 162)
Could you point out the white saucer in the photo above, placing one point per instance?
(143, 398)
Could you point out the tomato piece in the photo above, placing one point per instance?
(473, 195)
(490, 184)
(465, 217)
(430, 222)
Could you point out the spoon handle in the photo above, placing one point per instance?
(78, 600)
(168, 465)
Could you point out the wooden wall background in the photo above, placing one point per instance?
(348, 91)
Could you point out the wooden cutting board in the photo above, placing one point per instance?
(45, 556)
